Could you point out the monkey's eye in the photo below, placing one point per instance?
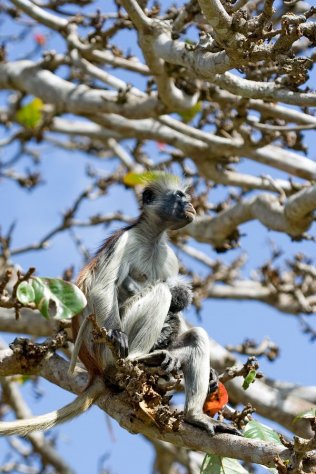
(148, 196)
(180, 194)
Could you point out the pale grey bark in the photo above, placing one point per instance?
(264, 90)
(294, 217)
(30, 322)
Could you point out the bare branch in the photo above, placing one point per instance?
(55, 370)
(294, 217)
(29, 77)
(217, 17)
(264, 90)
(51, 21)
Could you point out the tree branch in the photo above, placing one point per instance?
(39, 14)
(148, 33)
(55, 369)
(30, 77)
(293, 218)
(264, 90)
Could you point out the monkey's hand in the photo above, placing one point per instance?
(120, 342)
(213, 385)
(163, 359)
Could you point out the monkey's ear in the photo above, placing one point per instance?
(148, 196)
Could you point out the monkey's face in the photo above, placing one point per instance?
(177, 208)
(172, 207)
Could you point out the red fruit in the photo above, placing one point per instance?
(40, 39)
(161, 146)
(216, 400)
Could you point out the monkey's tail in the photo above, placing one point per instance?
(44, 422)
(79, 339)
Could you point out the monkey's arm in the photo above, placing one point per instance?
(101, 282)
(110, 271)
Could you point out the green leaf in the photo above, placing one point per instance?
(256, 430)
(189, 114)
(57, 298)
(214, 464)
(308, 414)
(249, 379)
(30, 115)
(25, 292)
(134, 179)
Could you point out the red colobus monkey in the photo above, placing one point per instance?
(132, 288)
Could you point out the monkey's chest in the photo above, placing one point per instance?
(149, 273)
(137, 281)
(138, 276)
(150, 265)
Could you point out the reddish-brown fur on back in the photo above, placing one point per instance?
(84, 355)
(84, 273)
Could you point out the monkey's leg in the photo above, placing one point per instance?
(161, 358)
(193, 352)
(143, 319)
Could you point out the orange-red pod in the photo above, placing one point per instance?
(216, 400)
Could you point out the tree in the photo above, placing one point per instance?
(215, 91)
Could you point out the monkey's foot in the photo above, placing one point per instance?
(222, 428)
(163, 359)
(201, 421)
(211, 426)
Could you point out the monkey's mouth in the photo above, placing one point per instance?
(190, 212)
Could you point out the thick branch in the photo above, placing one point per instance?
(264, 90)
(48, 19)
(249, 290)
(205, 154)
(29, 77)
(55, 370)
(210, 150)
(284, 160)
(30, 322)
(148, 32)
(217, 17)
(293, 218)
(201, 64)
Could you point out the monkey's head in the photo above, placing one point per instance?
(166, 200)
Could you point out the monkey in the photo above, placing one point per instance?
(129, 286)
(181, 297)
